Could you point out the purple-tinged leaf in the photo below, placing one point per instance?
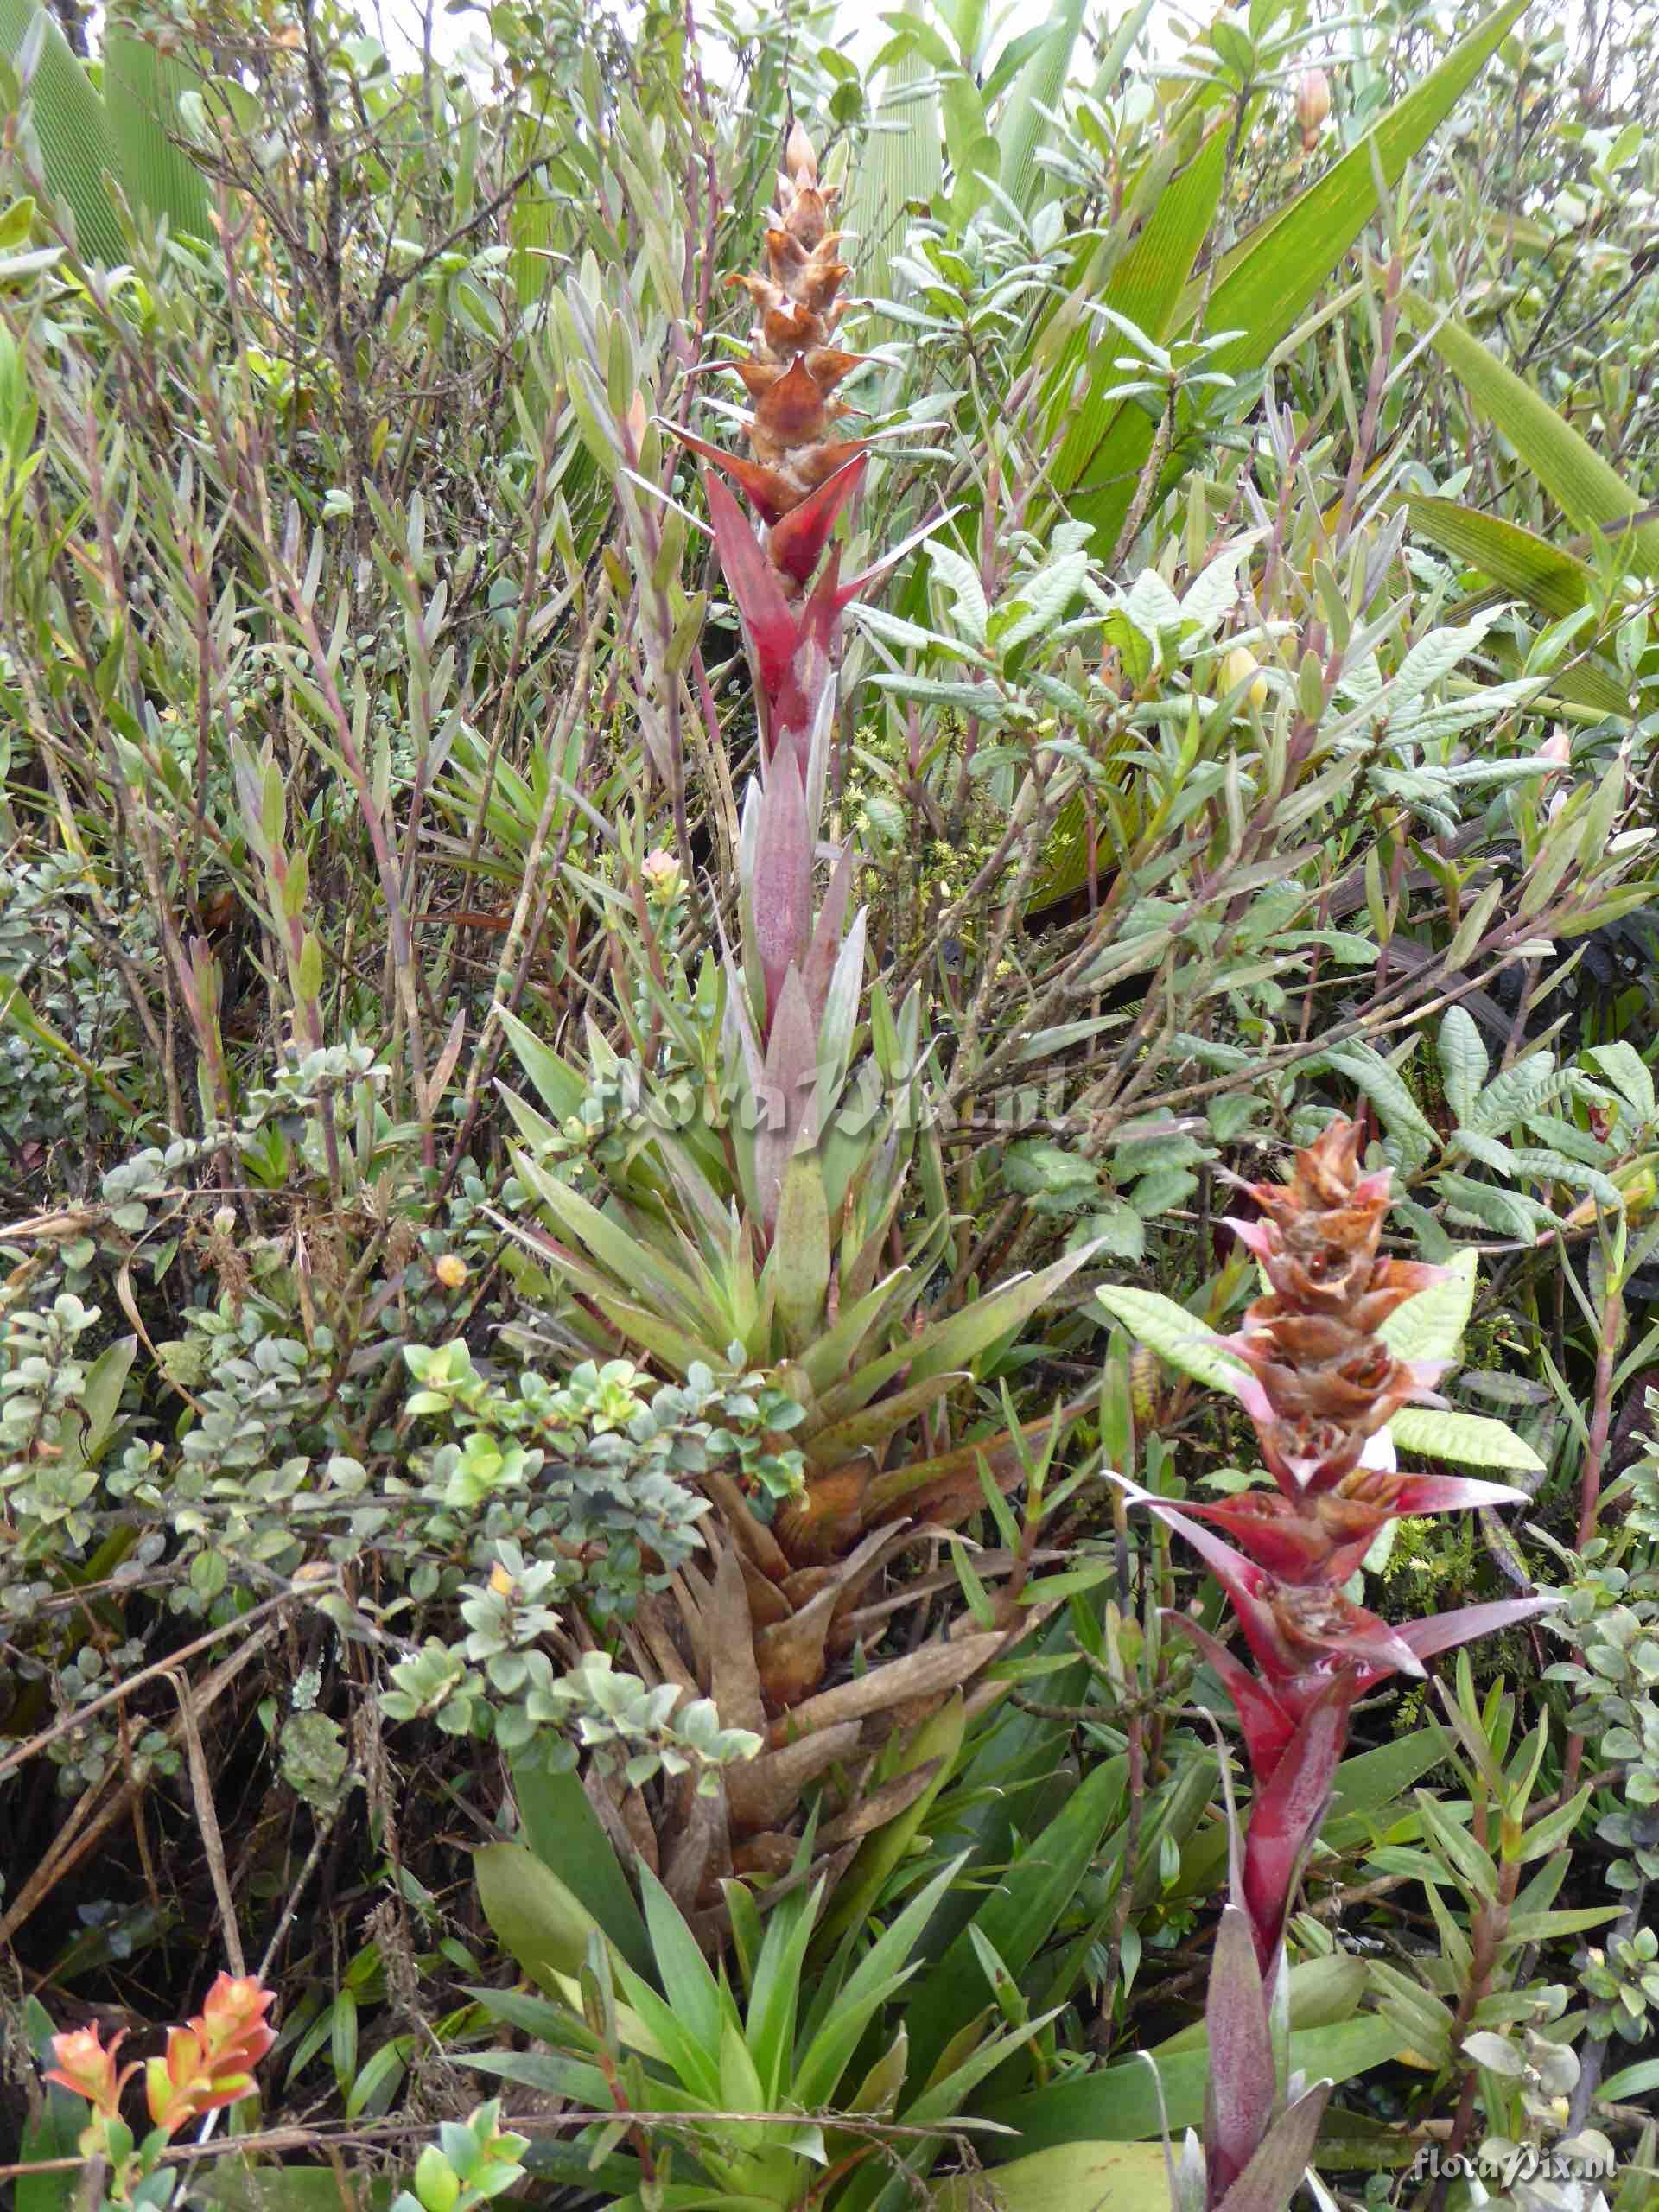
(1287, 1811)
(780, 897)
(819, 738)
(819, 964)
(1269, 2182)
(738, 1018)
(1242, 2087)
(838, 1019)
(787, 1094)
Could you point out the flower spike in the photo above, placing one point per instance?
(1320, 1385)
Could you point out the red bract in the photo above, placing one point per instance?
(797, 475)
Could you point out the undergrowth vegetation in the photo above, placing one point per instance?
(827, 1021)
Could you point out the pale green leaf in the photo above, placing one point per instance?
(1430, 1326)
(1173, 1334)
(1471, 1439)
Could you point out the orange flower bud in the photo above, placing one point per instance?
(87, 2069)
(1312, 105)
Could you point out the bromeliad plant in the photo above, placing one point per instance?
(1321, 1386)
(758, 1183)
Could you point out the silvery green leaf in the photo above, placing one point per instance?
(961, 579)
(1174, 1334)
(1508, 1213)
(1509, 1097)
(1464, 1060)
(1119, 1233)
(1042, 598)
(894, 629)
(1491, 1152)
(1496, 2055)
(1213, 592)
(1438, 654)
(1625, 1068)
(1151, 605)
(1162, 1193)
(1552, 1166)
(1383, 1085)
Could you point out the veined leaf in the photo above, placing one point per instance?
(1472, 1440)
(1430, 1325)
(140, 109)
(902, 160)
(1173, 1333)
(1267, 281)
(1385, 1087)
(1274, 273)
(73, 130)
(1107, 441)
(1040, 84)
(1464, 1059)
(55, 2133)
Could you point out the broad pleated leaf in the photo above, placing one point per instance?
(73, 130)
(1583, 485)
(1266, 283)
(140, 108)
(1040, 84)
(1544, 574)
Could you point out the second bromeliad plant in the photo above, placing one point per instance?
(1321, 1386)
